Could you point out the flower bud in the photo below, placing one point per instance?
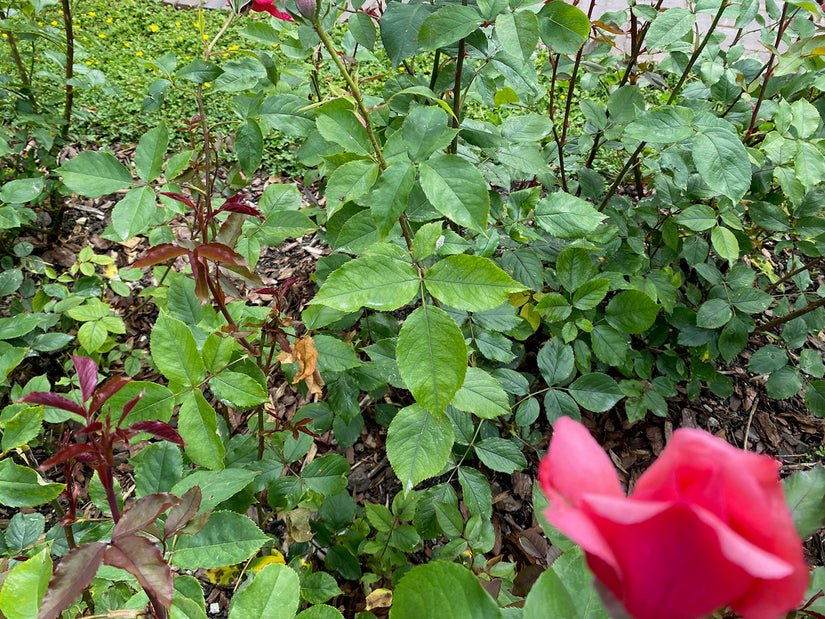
(307, 8)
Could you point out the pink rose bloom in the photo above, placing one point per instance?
(268, 6)
(706, 526)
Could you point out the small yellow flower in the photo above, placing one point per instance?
(92, 13)
(186, 57)
(204, 37)
(101, 35)
(5, 36)
(54, 23)
(180, 38)
(88, 63)
(127, 44)
(40, 23)
(232, 48)
(154, 28)
(206, 84)
(108, 20)
(138, 54)
(224, 54)
(177, 24)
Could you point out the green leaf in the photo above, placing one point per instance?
(400, 25)
(175, 352)
(805, 495)
(518, 33)
(216, 486)
(25, 585)
(565, 216)
(21, 486)
(273, 593)
(448, 25)
(662, 125)
(725, 244)
(326, 475)
(418, 445)
(134, 213)
(198, 427)
(432, 357)
(92, 335)
(362, 29)
(482, 395)
(94, 173)
(150, 152)
(349, 181)
(669, 26)
(320, 611)
(556, 362)
(470, 283)
(609, 345)
(334, 355)
(249, 145)
(815, 397)
(318, 587)
(563, 27)
(441, 589)
(596, 392)
(336, 122)
(631, 311)
(500, 455)
(22, 190)
(591, 293)
(158, 467)
(457, 190)
(722, 162)
(228, 538)
(565, 590)
(21, 427)
(390, 195)
(19, 325)
(698, 217)
(784, 383)
(425, 131)
(476, 491)
(713, 314)
(376, 281)
(199, 71)
(240, 391)
(767, 359)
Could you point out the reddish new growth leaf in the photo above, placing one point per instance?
(143, 512)
(86, 374)
(238, 204)
(158, 428)
(143, 559)
(182, 513)
(218, 252)
(160, 253)
(179, 197)
(73, 574)
(82, 453)
(109, 388)
(47, 398)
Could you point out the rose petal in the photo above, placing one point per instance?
(576, 465)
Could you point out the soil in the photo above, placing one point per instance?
(747, 419)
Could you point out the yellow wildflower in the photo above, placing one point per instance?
(207, 84)
(138, 53)
(101, 35)
(92, 13)
(108, 20)
(154, 28)
(127, 44)
(54, 23)
(88, 63)
(177, 24)
(232, 48)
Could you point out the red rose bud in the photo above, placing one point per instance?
(706, 526)
(307, 8)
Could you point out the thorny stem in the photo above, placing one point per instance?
(69, 70)
(459, 68)
(783, 24)
(568, 104)
(805, 267)
(354, 89)
(787, 318)
(696, 53)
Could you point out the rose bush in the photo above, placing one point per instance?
(706, 526)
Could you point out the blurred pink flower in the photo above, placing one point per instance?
(706, 526)
(268, 6)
